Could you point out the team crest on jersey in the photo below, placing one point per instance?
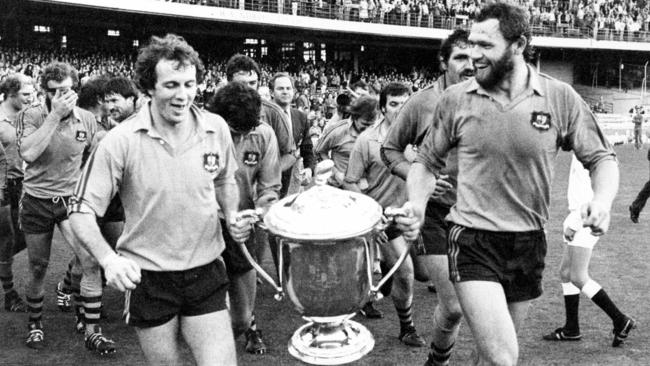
(251, 158)
(541, 120)
(81, 136)
(211, 162)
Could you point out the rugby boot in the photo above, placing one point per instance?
(63, 299)
(254, 342)
(562, 335)
(14, 304)
(411, 338)
(370, 312)
(622, 330)
(36, 337)
(98, 343)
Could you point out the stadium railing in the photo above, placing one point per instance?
(350, 11)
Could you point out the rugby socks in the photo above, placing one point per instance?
(571, 305)
(595, 292)
(92, 307)
(440, 356)
(7, 282)
(405, 319)
(35, 307)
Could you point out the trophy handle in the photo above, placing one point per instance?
(254, 217)
(375, 289)
(389, 215)
(279, 291)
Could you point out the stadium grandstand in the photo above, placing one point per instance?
(600, 47)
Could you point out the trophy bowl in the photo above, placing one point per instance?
(325, 253)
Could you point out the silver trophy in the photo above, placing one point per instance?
(326, 248)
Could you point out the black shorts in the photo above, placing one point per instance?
(434, 229)
(114, 212)
(236, 262)
(13, 192)
(513, 259)
(40, 215)
(161, 296)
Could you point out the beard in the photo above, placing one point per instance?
(498, 71)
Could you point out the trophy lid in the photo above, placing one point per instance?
(323, 213)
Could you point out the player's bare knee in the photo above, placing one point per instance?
(579, 279)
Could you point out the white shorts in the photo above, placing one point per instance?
(582, 237)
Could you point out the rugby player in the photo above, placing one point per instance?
(168, 163)
(258, 179)
(52, 140)
(496, 242)
(245, 70)
(18, 91)
(574, 268)
(410, 127)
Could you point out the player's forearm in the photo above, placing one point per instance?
(228, 199)
(604, 181)
(420, 184)
(85, 228)
(32, 146)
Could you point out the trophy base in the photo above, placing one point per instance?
(331, 343)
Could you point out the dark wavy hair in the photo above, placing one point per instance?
(364, 107)
(170, 47)
(457, 38)
(122, 86)
(239, 62)
(239, 105)
(59, 71)
(91, 92)
(392, 89)
(513, 23)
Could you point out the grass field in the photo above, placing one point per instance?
(620, 265)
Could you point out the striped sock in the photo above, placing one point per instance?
(92, 307)
(35, 308)
(405, 318)
(440, 356)
(7, 283)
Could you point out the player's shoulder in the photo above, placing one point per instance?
(84, 115)
(338, 127)
(265, 131)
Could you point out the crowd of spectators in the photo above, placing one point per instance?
(625, 20)
(319, 84)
